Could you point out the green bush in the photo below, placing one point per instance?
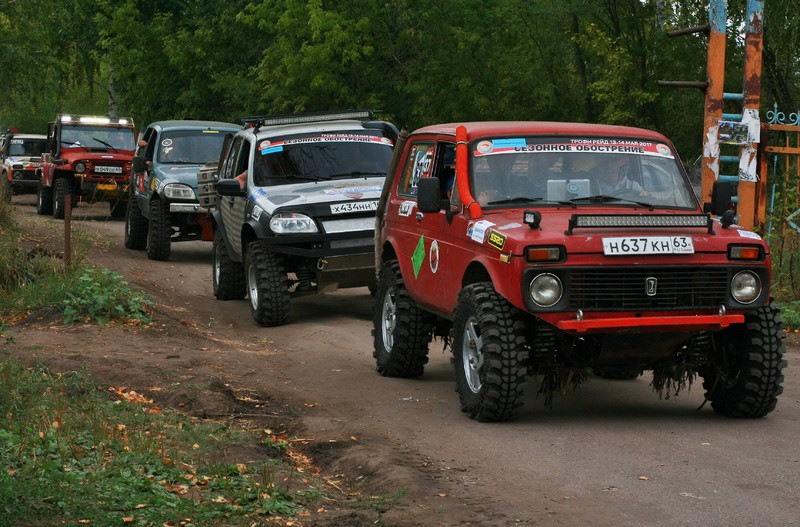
(102, 296)
(790, 314)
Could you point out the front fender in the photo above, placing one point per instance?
(219, 225)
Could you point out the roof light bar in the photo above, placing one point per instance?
(90, 119)
(311, 117)
(597, 221)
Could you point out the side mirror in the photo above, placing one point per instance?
(229, 187)
(721, 197)
(429, 195)
(138, 164)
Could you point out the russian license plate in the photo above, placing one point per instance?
(648, 245)
(356, 206)
(108, 170)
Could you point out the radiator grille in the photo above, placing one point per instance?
(349, 224)
(622, 289)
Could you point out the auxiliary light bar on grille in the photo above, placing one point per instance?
(599, 221)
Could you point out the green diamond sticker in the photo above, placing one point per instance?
(419, 256)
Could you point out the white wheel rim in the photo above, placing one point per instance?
(389, 319)
(472, 355)
(216, 264)
(252, 286)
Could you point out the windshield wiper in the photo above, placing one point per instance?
(356, 173)
(108, 145)
(73, 144)
(296, 176)
(523, 199)
(603, 198)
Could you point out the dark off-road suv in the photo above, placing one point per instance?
(554, 250)
(163, 206)
(303, 221)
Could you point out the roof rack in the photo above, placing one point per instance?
(258, 121)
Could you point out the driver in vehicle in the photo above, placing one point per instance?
(611, 176)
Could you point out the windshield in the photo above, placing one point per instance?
(190, 146)
(322, 156)
(105, 137)
(577, 170)
(26, 147)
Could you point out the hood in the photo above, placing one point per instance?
(185, 173)
(554, 229)
(73, 155)
(356, 189)
(23, 159)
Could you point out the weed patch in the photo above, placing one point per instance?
(74, 453)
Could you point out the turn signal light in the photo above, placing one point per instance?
(745, 252)
(544, 254)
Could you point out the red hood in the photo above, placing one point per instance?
(72, 155)
(556, 221)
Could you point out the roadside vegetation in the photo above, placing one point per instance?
(76, 453)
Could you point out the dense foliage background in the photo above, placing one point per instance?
(418, 61)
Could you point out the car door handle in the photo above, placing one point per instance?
(419, 216)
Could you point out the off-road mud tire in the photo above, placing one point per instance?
(44, 200)
(490, 365)
(227, 276)
(60, 187)
(6, 191)
(617, 374)
(135, 226)
(744, 377)
(401, 331)
(159, 232)
(119, 208)
(267, 285)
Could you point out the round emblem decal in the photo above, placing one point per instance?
(663, 149)
(166, 142)
(264, 145)
(433, 256)
(484, 147)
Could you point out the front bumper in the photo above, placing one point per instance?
(661, 323)
(187, 208)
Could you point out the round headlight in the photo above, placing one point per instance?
(80, 168)
(545, 290)
(745, 287)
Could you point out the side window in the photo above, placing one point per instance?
(418, 164)
(243, 160)
(147, 151)
(445, 170)
(227, 171)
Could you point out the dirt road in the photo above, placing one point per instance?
(611, 453)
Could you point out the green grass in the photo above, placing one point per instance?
(70, 451)
(36, 278)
